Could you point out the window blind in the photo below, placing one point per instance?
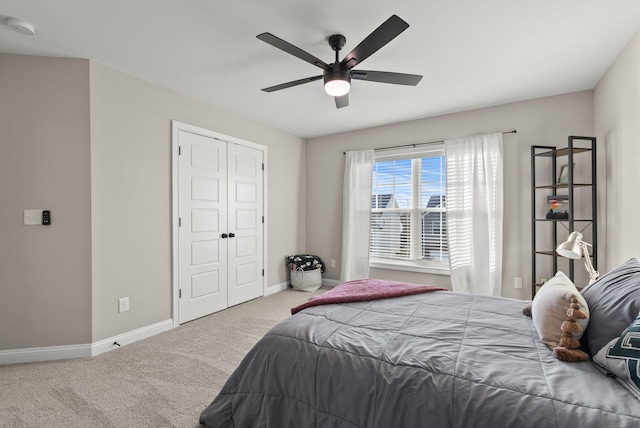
(408, 213)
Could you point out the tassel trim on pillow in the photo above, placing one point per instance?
(568, 350)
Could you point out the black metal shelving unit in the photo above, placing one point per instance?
(579, 150)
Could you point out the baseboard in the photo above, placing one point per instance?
(276, 288)
(109, 344)
(47, 353)
(51, 353)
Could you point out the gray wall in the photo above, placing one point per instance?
(131, 194)
(546, 121)
(94, 146)
(617, 125)
(45, 271)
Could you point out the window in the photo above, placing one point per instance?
(408, 213)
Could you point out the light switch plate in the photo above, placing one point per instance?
(123, 304)
(32, 217)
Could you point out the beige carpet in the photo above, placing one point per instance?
(163, 381)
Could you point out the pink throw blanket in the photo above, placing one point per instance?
(364, 290)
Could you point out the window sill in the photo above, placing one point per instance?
(408, 266)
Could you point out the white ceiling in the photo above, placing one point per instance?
(472, 53)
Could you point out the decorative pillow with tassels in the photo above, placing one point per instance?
(560, 315)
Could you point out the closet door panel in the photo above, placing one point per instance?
(245, 221)
(203, 215)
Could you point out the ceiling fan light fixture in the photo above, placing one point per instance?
(337, 88)
(337, 83)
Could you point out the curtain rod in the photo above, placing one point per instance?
(427, 143)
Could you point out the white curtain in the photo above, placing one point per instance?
(356, 215)
(475, 213)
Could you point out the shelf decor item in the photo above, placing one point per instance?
(557, 207)
(563, 178)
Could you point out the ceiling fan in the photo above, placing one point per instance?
(337, 75)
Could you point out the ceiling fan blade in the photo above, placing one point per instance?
(293, 83)
(382, 35)
(291, 49)
(386, 77)
(342, 101)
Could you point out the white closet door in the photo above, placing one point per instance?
(202, 198)
(245, 223)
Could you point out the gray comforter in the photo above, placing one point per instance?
(439, 359)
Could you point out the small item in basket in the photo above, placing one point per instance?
(305, 262)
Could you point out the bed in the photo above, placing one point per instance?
(430, 359)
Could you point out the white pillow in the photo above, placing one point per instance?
(549, 309)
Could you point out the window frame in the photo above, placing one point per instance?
(422, 266)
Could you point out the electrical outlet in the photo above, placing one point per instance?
(123, 304)
(333, 263)
(517, 282)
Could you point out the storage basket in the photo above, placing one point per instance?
(306, 280)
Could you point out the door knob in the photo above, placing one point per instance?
(224, 235)
(231, 235)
